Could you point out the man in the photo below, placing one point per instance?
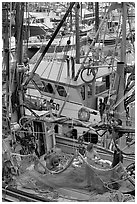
(101, 107)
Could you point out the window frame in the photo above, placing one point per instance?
(58, 91)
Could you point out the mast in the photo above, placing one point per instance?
(93, 99)
(123, 43)
(77, 7)
(96, 16)
(81, 11)
(17, 94)
(20, 66)
(120, 65)
(71, 21)
(6, 51)
(19, 36)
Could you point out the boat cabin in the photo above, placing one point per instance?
(67, 97)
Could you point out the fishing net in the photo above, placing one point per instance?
(77, 177)
(107, 177)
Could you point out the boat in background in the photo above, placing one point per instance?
(38, 24)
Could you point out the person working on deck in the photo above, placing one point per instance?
(91, 156)
(101, 108)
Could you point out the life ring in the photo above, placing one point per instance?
(83, 114)
(90, 75)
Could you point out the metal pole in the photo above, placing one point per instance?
(93, 99)
(6, 49)
(120, 65)
(96, 16)
(7, 60)
(70, 21)
(81, 11)
(124, 23)
(19, 37)
(20, 54)
(77, 7)
(17, 75)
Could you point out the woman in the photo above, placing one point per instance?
(91, 156)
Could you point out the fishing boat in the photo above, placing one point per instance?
(38, 25)
(64, 78)
(35, 120)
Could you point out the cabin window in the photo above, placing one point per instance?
(82, 91)
(47, 87)
(61, 90)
